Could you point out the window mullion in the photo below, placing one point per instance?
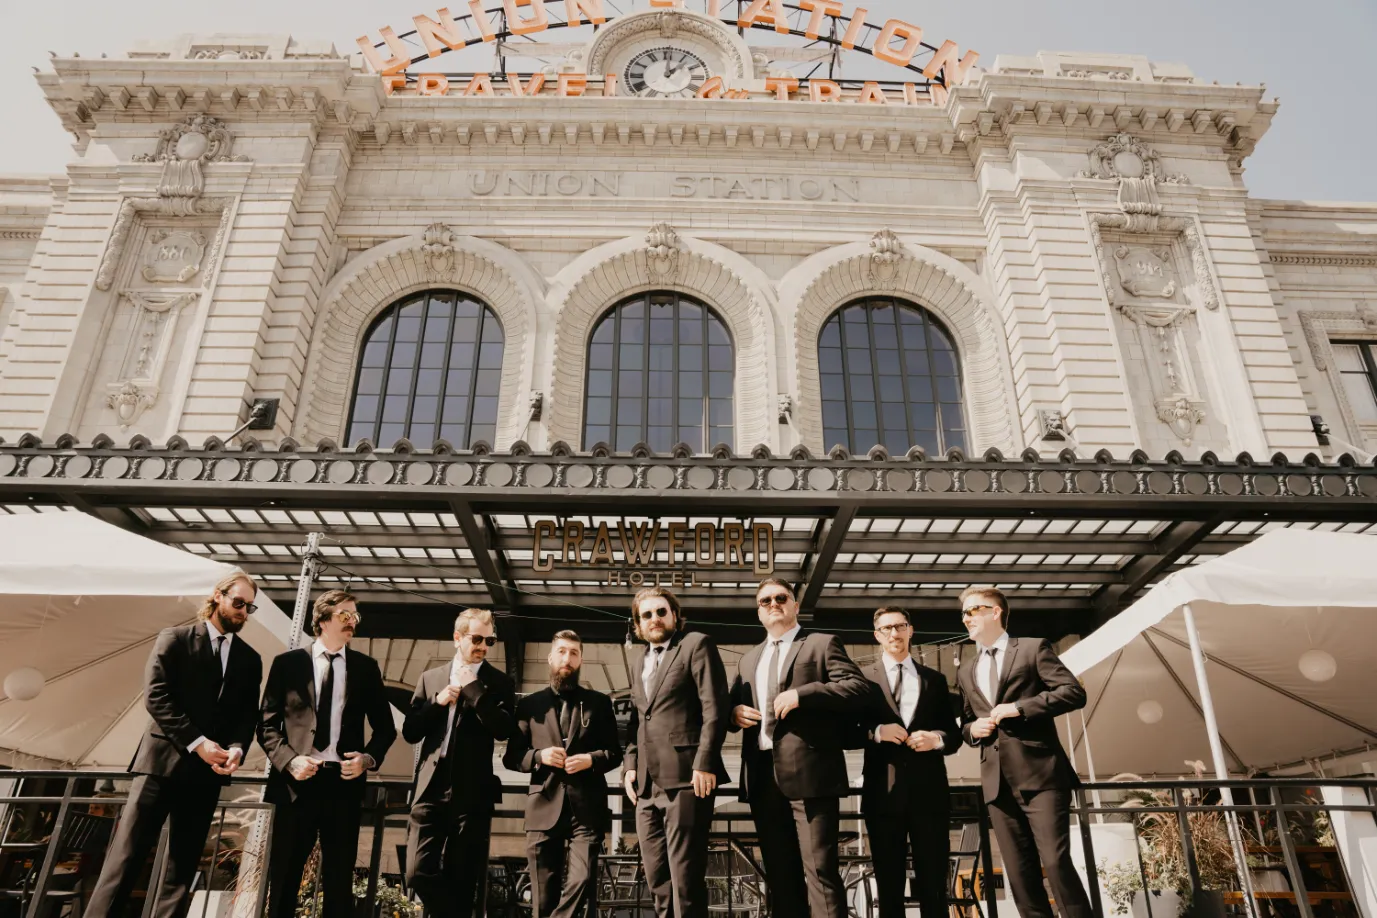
(846, 384)
(903, 380)
(935, 384)
(645, 376)
(387, 373)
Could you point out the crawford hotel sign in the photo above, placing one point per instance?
(639, 553)
(688, 56)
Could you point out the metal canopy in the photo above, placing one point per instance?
(416, 533)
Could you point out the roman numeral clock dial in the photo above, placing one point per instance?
(666, 73)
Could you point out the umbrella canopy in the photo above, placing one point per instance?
(1289, 603)
(81, 601)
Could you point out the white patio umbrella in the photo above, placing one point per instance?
(81, 602)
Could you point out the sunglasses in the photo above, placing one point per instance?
(476, 639)
(978, 610)
(348, 618)
(243, 604)
(779, 599)
(648, 614)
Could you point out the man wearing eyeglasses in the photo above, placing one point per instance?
(460, 710)
(201, 690)
(312, 727)
(795, 694)
(1012, 694)
(907, 729)
(673, 760)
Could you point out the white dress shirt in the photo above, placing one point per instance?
(319, 659)
(762, 678)
(455, 668)
(214, 633)
(987, 676)
(908, 698)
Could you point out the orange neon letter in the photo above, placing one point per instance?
(539, 21)
(853, 28)
(432, 84)
(399, 60)
(824, 91)
(819, 9)
(872, 94)
(575, 10)
(572, 84)
(532, 88)
(884, 45)
(782, 87)
(953, 71)
(480, 19)
(439, 37)
(712, 88)
(480, 85)
(773, 8)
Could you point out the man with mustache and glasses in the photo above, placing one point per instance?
(674, 751)
(795, 695)
(458, 713)
(312, 727)
(566, 740)
(201, 690)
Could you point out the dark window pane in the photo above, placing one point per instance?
(455, 434)
(865, 440)
(661, 411)
(600, 411)
(383, 330)
(628, 411)
(366, 409)
(662, 331)
(600, 357)
(605, 331)
(834, 414)
(437, 328)
(428, 382)
(834, 386)
(492, 331)
(721, 435)
(408, 327)
(375, 354)
(394, 408)
(360, 431)
(442, 305)
(627, 438)
(662, 385)
(862, 389)
(717, 334)
(835, 436)
(488, 383)
(690, 384)
(944, 362)
(634, 309)
(894, 419)
(948, 390)
(596, 435)
(461, 354)
(661, 439)
(466, 329)
(720, 412)
(831, 334)
(467, 308)
(421, 435)
(630, 384)
(600, 383)
(399, 381)
(720, 385)
(457, 382)
(456, 411)
(490, 356)
(690, 311)
(857, 360)
(433, 355)
(891, 389)
(370, 382)
(863, 415)
(691, 411)
(633, 330)
(887, 362)
(691, 357)
(662, 358)
(484, 412)
(690, 330)
(485, 432)
(632, 353)
(693, 436)
(424, 408)
(917, 363)
(389, 434)
(830, 360)
(922, 415)
(404, 354)
(720, 358)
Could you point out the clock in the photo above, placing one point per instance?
(666, 72)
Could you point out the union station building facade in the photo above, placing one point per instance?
(1018, 321)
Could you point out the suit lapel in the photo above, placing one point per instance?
(669, 655)
(747, 667)
(879, 672)
(552, 717)
(1010, 654)
(575, 719)
(637, 671)
(795, 646)
(309, 673)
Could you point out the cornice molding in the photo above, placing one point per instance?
(1326, 261)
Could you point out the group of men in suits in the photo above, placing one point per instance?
(797, 698)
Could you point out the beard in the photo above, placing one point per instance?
(228, 625)
(563, 680)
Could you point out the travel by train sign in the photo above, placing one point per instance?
(931, 69)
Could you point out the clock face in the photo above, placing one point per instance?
(666, 72)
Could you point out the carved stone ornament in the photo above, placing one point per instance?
(1137, 168)
(536, 407)
(1187, 232)
(437, 248)
(173, 256)
(1052, 424)
(130, 208)
(1146, 272)
(786, 409)
(1182, 414)
(661, 24)
(146, 355)
(886, 251)
(184, 149)
(129, 403)
(662, 250)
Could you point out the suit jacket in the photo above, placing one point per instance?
(593, 731)
(287, 720)
(680, 728)
(484, 714)
(186, 701)
(809, 760)
(1025, 750)
(895, 774)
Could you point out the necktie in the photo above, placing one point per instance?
(566, 718)
(992, 675)
(772, 689)
(899, 684)
(658, 655)
(325, 704)
(219, 665)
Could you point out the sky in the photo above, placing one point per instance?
(1315, 57)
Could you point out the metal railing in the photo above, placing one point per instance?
(55, 826)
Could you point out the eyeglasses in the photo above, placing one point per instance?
(657, 612)
(476, 639)
(348, 618)
(243, 604)
(779, 599)
(978, 610)
(893, 629)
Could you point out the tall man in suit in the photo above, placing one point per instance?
(794, 695)
(1012, 693)
(311, 725)
(907, 730)
(673, 758)
(457, 714)
(201, 690)
(566, 740)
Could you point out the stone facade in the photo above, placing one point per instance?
(239, 208)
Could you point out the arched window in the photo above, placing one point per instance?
(430, 369)
(890, 376)
(660, 371)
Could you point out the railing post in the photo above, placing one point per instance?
(155, 879)
(987, 883)
(50, 855)
(1092, 874)
(1288, 853)
(376, 849)
(1187, 842)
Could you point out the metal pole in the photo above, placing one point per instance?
(1090, 764)
(1221, 766)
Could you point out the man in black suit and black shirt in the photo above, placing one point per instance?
(566, 740)
(201, 689)
(457, 714)
(907, 731)
(311, 725)
(1012, 693)
(795, 695)
(673, 758)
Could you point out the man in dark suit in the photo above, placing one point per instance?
(457, 714)
(566, 739)
(906, 731)
(1012, 693)
(673, 758)
(312, 726)
(201, 689)
(794, 695)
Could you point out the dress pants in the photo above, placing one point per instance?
(798, 845)
(327, 807)
(447, 850)
(562, 886)
(189, 808)
(923, 823)
(673, 826)
(1034, 835)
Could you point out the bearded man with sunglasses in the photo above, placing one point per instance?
(673, 760)
(458, 713)
(312, 727)
(201, 690)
